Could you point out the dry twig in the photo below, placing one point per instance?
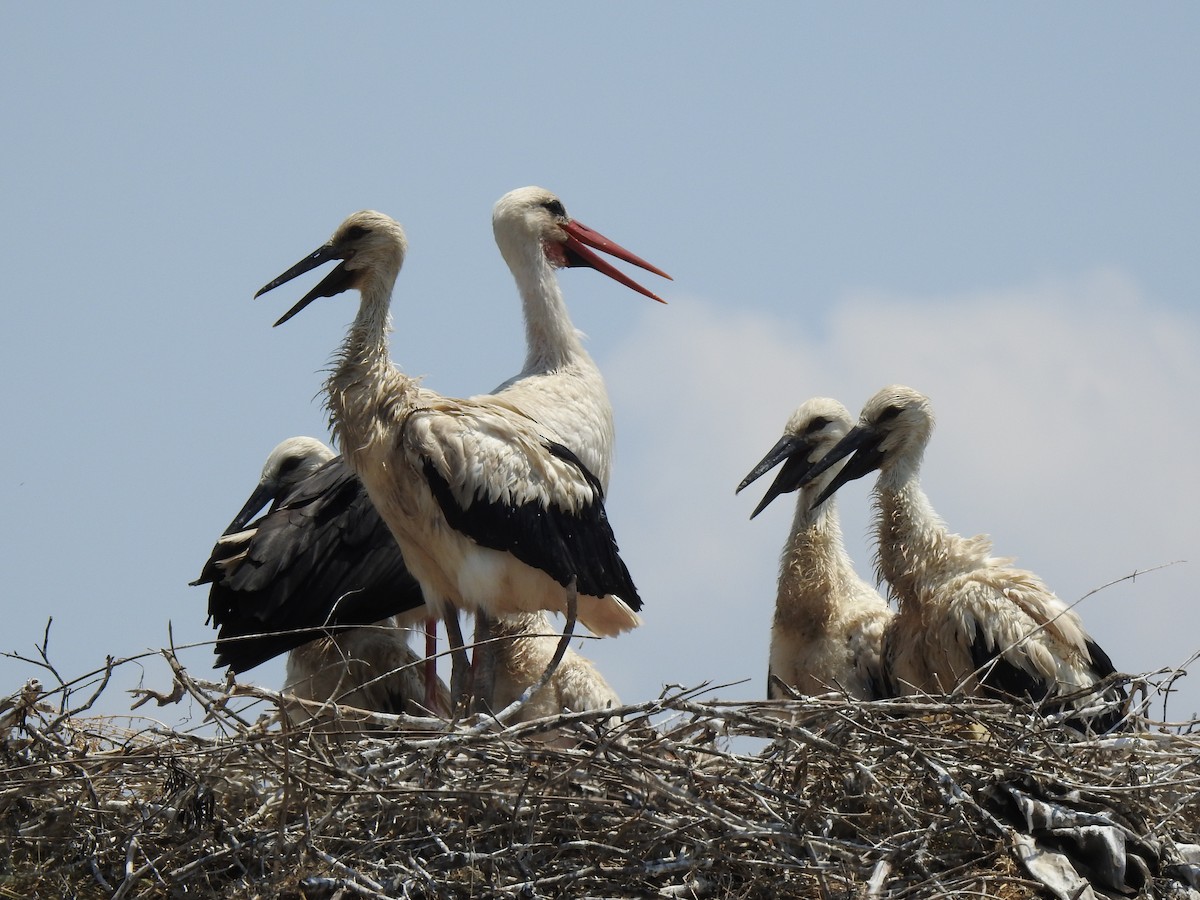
(686, 797)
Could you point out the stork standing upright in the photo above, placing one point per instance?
(966, 620)
(559, 385)
(322, 557)
(490, 508)
(829, 623)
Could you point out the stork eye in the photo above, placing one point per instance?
(289, 465)
(354, 232)
(555, 208)
(816, 425)
(890, 413)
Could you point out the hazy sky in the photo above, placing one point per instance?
(996, 204)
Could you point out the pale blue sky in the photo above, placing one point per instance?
(998, 204)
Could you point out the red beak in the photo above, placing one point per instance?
(576, 253)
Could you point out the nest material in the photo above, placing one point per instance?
(814, 798)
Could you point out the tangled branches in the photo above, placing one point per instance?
(685, 797)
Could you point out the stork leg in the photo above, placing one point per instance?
(431, 666)
(483, 664)
(458, 657)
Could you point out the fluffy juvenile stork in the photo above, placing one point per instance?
(526, 644)
(370, 668)
(492, 511)
(328, 512)
(966, 620)
(828, 623)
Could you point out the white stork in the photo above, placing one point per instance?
(331, 514)
(828, 623)
(559, 384)
(300, 579)
(526, 644)
(966, 620)
(371, 668)
(490, 508)
(318, 560)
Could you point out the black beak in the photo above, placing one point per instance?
(793, 452)
(863, 442)
(337, 281)
(263, 494)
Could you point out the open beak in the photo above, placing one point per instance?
(263, 494)
(863, 441)
(338, 280)
(793, 452)
(577, 253)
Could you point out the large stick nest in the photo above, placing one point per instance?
(682, 797)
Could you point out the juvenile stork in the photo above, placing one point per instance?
(492, 511)
(828, 623)
(319, 561)
(966, 620)
(371, 668)
(526, 644)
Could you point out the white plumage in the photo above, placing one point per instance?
(966, 620)
(298, 577)
(559, 384)
(492, 510)
(829, 623)
(526, 643)
(372, 668)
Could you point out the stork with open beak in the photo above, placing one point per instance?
(966, 621)
(492, 508)
(829, 623)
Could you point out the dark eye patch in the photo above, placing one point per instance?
(555, 208)
(354, 232)
(816, 425)
(889, 413)
(289, 465)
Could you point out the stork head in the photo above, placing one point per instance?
(290, 463)
(811, 432)
(892, 431)
(531, 220)
(371, 247)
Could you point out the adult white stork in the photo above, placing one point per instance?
(559, 385)
(490, 508)
(966, 620)
(331, 514)
(829, 623)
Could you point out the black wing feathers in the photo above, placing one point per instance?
(999, 677)
(1002, 679)
(560, 543)
(321, 558)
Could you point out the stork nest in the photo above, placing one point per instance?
(684, 797)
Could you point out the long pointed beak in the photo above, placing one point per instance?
(580, 238)
(337, 281)
(263, 494)
(793, 452)
(863, 441)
